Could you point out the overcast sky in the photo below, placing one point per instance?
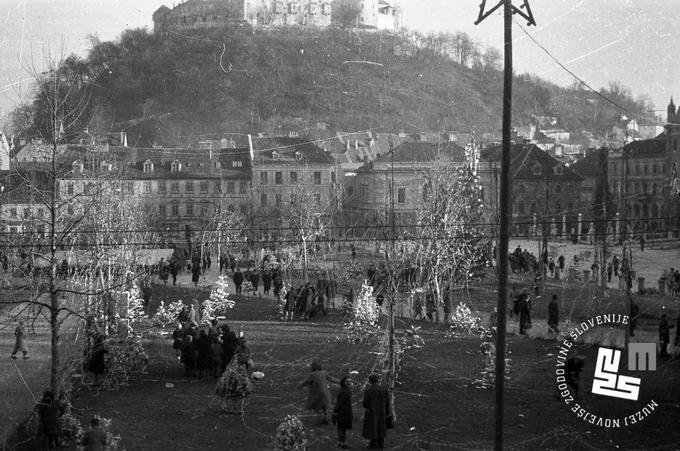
(635, 42)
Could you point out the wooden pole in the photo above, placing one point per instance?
(504, 232)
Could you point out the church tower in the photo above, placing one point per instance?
(671, 115)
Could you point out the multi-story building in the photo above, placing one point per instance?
(292, 177)
(544, 191)
(673, 162)
(401, 175)
(637, 184)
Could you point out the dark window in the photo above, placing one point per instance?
(243, 187)
(189, 186)
(293, 177)
(263, 178)
(278, 178)
(69, 189)
(161, 187)
(317, 198)
(161, 210)
(558, 188)
(263, 199)
(175, 209)
(244, 209)
(204, 187)
(333, 177)
(230, 187)
(190, 209)
(401, 195)
(174, 187)
(317, 178)
(279, 200)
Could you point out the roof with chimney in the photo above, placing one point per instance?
(528, 161)
(647, 148)
(285, 148)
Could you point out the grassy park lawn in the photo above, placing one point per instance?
(437, 408)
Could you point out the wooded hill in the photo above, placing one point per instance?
(225, 80)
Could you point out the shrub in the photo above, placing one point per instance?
(290, 435)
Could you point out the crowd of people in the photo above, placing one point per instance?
(377, 416)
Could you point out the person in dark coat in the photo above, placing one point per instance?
(163, 271)
(553, 315)
(183, 315)
(376, 402)
(524, 313)
(97, 363)
(342, 411)
(266, 281)
(319, 397)
(195, 272)
(20, 341)
(203, 353)
(177, 338)
(238, 280)
(174, 269)
(48, 412)
(229, 345)
(573, 369)
(94, 439)
(664, 335)
(560, 262)
(255, 280)
(189, 355)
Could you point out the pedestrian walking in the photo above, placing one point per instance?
(342, 411)
(377, 408)
(196, 272)
(664, 335)
(174, 269)
(560, 262)
(553, 315)
(238, 280)
(20, 341)
(524, 313)
(318, 397)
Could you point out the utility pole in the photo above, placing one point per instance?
(505, 210)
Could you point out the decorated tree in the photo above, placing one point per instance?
(453, 248)
(363, 325)
(219, 303)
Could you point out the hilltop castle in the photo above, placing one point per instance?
(194, 14)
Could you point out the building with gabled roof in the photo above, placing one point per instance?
(544, 190)
(292, 173)
(400, 174)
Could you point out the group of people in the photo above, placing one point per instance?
(672, 278)
(377, 416)
(270, 279)
(205, 350)
(307, 301)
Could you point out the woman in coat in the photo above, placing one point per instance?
(203, 353)
(189, 354)
(376, 403)
(97, 363)
(342, 412)
(319, 397)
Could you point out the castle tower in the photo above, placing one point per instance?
(671, 115)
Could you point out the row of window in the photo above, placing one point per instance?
(523, 208)
(556, 187)
(176, 165)
(292, 178)
(638, 188)
(639, 169)
(26, 213)
(173, 209)
(278, 199)
(173, 187)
